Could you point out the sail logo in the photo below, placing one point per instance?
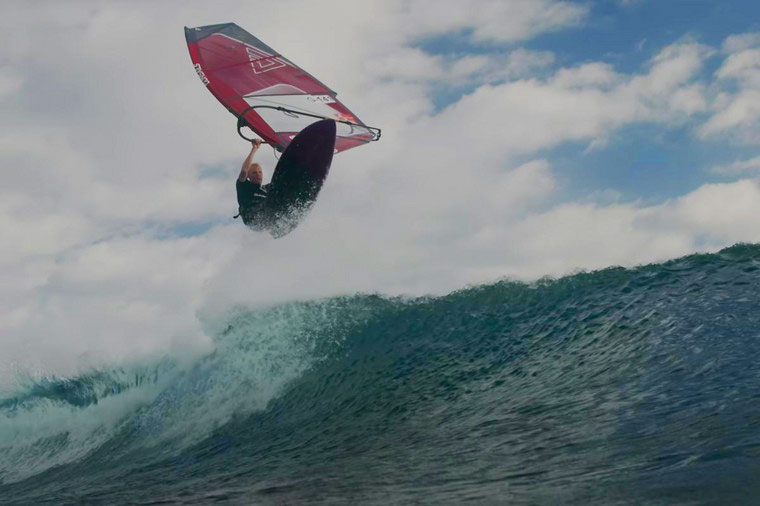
(203, 77)
(342, 116)
(262, 62)
(320, 99)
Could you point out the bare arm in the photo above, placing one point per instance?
(249, 159)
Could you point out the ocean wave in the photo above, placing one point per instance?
(611, 386)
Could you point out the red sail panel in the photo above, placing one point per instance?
(242, 72)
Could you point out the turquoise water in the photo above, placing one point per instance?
(613, 387)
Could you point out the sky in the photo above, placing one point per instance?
(521, 139)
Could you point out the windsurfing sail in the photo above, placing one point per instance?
(267, 92)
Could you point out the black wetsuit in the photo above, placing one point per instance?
(251, 198)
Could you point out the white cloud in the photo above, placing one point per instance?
(720, 213)
(415, 66)
(736, 109)
(741, 114)
(742, 66)
(490, 20)
(739, 42)
(737, 167)
(591, 236)
(110, 299)
(10, 82)
(672, 68)
(584, 103)
(594, 75)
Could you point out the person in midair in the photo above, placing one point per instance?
(251, 194)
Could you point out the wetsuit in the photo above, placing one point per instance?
(251, 198)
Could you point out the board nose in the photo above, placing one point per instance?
(325, 128)
(317, 142)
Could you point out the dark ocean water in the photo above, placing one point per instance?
(620, 386)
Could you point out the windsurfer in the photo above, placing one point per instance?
(251, 194)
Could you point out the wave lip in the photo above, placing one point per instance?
(161, 406)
